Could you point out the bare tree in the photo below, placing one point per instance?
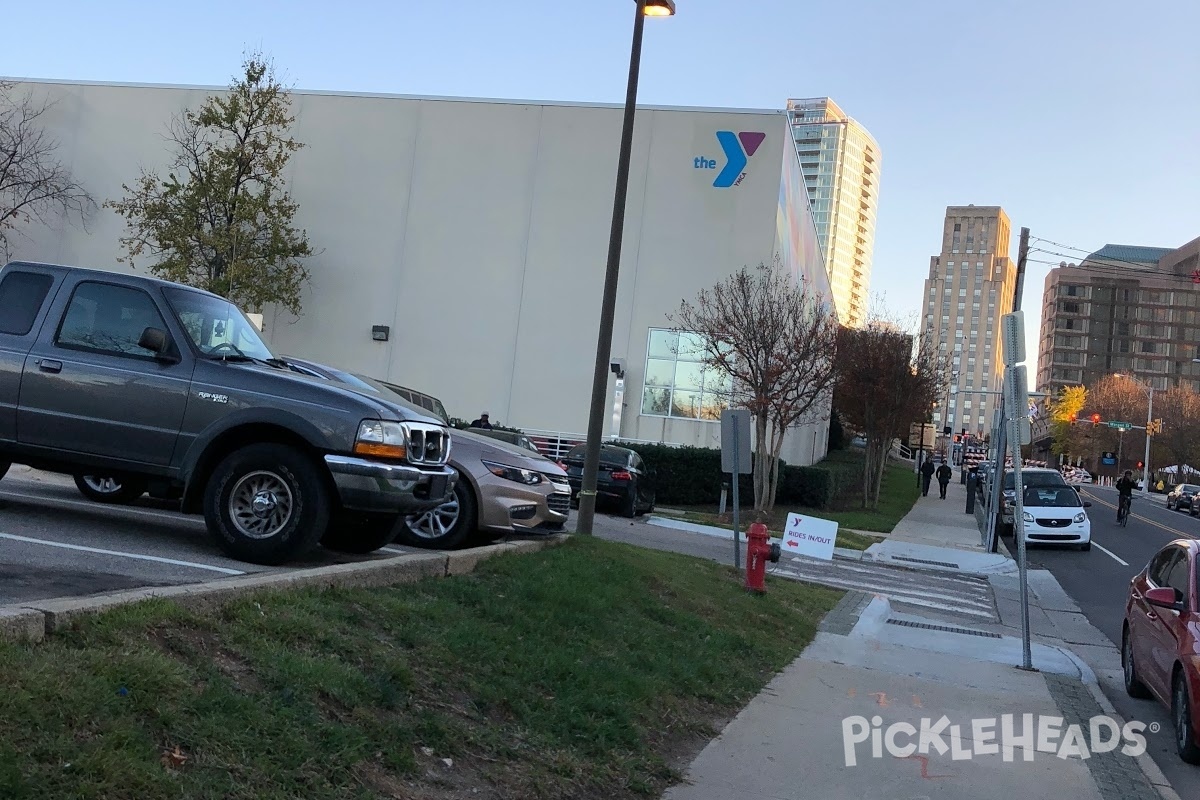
(775, 340)
(35, 186)
(1117, 399)
(886, 380)
(1179, 442)
(221, 219)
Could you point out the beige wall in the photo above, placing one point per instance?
(477, 230)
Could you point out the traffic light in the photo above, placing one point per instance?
(1140, 464)
(1074, 418)
(1155, 427)
(1095, 420)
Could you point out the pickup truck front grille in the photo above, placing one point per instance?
(428, 445)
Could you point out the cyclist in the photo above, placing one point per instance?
(1125, 486)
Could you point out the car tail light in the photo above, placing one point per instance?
(621, 475)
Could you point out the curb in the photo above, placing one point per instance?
(34, 620)
(1153, 774)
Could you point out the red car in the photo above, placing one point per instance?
(1160, 643)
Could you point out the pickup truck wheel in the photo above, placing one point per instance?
(110, 489)
(350, 532)
(266, 503)
(445, 527)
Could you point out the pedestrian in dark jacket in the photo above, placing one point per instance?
(944, 474)
(927, 470)
(482, 422)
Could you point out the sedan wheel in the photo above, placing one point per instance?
(444, 527)
(1133, 682)
(1181, 713)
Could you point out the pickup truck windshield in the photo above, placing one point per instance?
(217, 327)
(1050, 480)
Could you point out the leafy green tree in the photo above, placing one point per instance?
(1064, 409)
(221, 218)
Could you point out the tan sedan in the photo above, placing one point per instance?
(503, 489)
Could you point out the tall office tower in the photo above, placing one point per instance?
(840, 161)
(970, 286)
(1126, 309)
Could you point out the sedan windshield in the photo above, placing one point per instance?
(1035, 479)
(216, 326)
(1052, 497)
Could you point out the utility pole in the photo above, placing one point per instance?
(999, 432)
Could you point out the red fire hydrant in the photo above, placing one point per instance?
(758, 553)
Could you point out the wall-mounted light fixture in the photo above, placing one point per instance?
(380, 333)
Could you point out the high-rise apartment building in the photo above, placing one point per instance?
(1127, 309)
(840, 161)
(970, 286)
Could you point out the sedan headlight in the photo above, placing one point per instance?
(381, 439)
(525, 476)
(1027, 517)
(1080, 517)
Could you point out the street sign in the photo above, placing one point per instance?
(1109, 459)
(1012, 335)
(735, 441)
(1121, 426)
(809, 536)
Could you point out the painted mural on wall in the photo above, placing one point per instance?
(796, 243)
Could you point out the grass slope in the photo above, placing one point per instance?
(578, 672)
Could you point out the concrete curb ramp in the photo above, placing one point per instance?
(34, 620)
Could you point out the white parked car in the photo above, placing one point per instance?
(1054, 512)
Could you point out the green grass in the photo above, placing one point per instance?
(898, 493)
(577, 672)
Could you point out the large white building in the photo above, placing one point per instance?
(476, 232)
(841, 162)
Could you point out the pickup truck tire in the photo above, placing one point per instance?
(266, 503)
(445, 527)
(350, 532)
(110, 489)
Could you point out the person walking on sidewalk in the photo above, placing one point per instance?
(944, 474)
(927, 470)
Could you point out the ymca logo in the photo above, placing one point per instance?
(739, 149)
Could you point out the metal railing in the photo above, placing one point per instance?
(556, 444)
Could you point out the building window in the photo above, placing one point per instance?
(677, 383)
(1148, 347)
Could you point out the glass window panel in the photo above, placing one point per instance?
(685, 404)
(689, 375)
(691, 347)
(663, 344)
(659, 372)
(712, 406)
(656, 401)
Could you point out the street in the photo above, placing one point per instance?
(1098, 581)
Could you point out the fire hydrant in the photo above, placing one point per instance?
(758, 553)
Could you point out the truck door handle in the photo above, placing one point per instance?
(49, 365)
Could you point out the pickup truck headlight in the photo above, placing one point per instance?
(525, 476)
(1080, 517)
(381, 439)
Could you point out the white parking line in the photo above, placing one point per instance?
(136, 556)
(62, 501)
(1111, 554)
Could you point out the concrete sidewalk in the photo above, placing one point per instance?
(824, 727)
(939, 534)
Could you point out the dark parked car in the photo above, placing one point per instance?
(1161, 638)
(136, 385)
(624, 480)
(1180, 497)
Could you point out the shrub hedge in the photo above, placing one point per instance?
(691, 476)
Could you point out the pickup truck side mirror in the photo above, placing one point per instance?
(157, 341)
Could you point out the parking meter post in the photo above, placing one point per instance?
(970, 493)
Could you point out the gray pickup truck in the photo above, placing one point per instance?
(171, 390)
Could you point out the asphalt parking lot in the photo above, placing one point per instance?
(55, 543)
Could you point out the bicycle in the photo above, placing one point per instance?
(1123, 511)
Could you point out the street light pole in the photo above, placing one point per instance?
(1146, 458)
(608, 303)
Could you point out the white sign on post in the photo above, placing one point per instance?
(809, 536)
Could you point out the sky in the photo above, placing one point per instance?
(1081, 119)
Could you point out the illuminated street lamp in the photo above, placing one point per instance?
(608, 303)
